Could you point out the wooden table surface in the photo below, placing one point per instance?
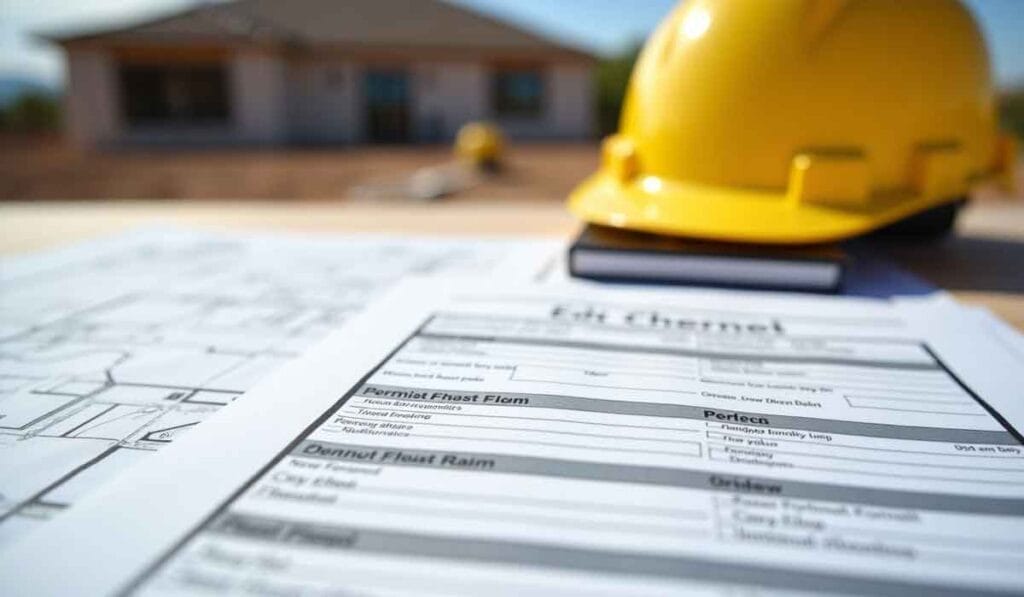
(983, 265)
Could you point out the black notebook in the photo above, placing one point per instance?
(621, 255)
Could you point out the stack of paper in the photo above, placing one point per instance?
(113, 349)
(463, 435)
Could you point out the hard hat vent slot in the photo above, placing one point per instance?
(619, 156)
(939, 169)
(836, 177)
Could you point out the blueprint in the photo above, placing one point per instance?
(112, 349)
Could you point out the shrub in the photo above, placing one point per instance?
(31, 112)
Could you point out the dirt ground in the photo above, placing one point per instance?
(45, 168)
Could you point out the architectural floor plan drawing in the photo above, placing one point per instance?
(112, 349)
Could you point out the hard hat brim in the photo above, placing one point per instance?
(732, 215)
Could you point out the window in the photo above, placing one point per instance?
(518, 92)
(181, 94)
(387, 102)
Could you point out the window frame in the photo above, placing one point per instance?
(503, 102)
(205, 89)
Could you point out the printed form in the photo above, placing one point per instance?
(112, 349)
(575, 440)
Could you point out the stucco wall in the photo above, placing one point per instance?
(567, 111)
(571, 101)
(447, 95)
(258, 115)
(258, 108)
(323, 101)
(259, 97)
(274, 100)
(92, 105)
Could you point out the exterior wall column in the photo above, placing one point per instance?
(92, 106)
(324, 101)
(570, 101)
(259, 99)
(446, 95)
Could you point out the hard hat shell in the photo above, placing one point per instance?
(797, 121)
(479, 143)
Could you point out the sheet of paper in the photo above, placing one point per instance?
(473, 439)
(112, 349)
(1012, 339)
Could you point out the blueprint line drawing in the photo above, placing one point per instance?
(113, 349)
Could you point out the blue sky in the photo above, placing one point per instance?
(602, 26)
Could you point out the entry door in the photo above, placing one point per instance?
(387, 106)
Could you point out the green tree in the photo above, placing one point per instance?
(612, 79)
(31, 112)
(1011, 112)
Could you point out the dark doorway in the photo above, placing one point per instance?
(387, 106)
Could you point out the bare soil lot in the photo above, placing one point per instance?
(45, 168)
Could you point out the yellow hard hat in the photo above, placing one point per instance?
(479, 143)
(798, 121)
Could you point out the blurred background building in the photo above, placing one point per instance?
(319, 71)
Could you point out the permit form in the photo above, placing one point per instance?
(112, 349)
(476, 439)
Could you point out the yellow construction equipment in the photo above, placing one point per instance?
(480, 144)
(799, 121)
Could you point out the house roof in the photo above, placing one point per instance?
(407, 24)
